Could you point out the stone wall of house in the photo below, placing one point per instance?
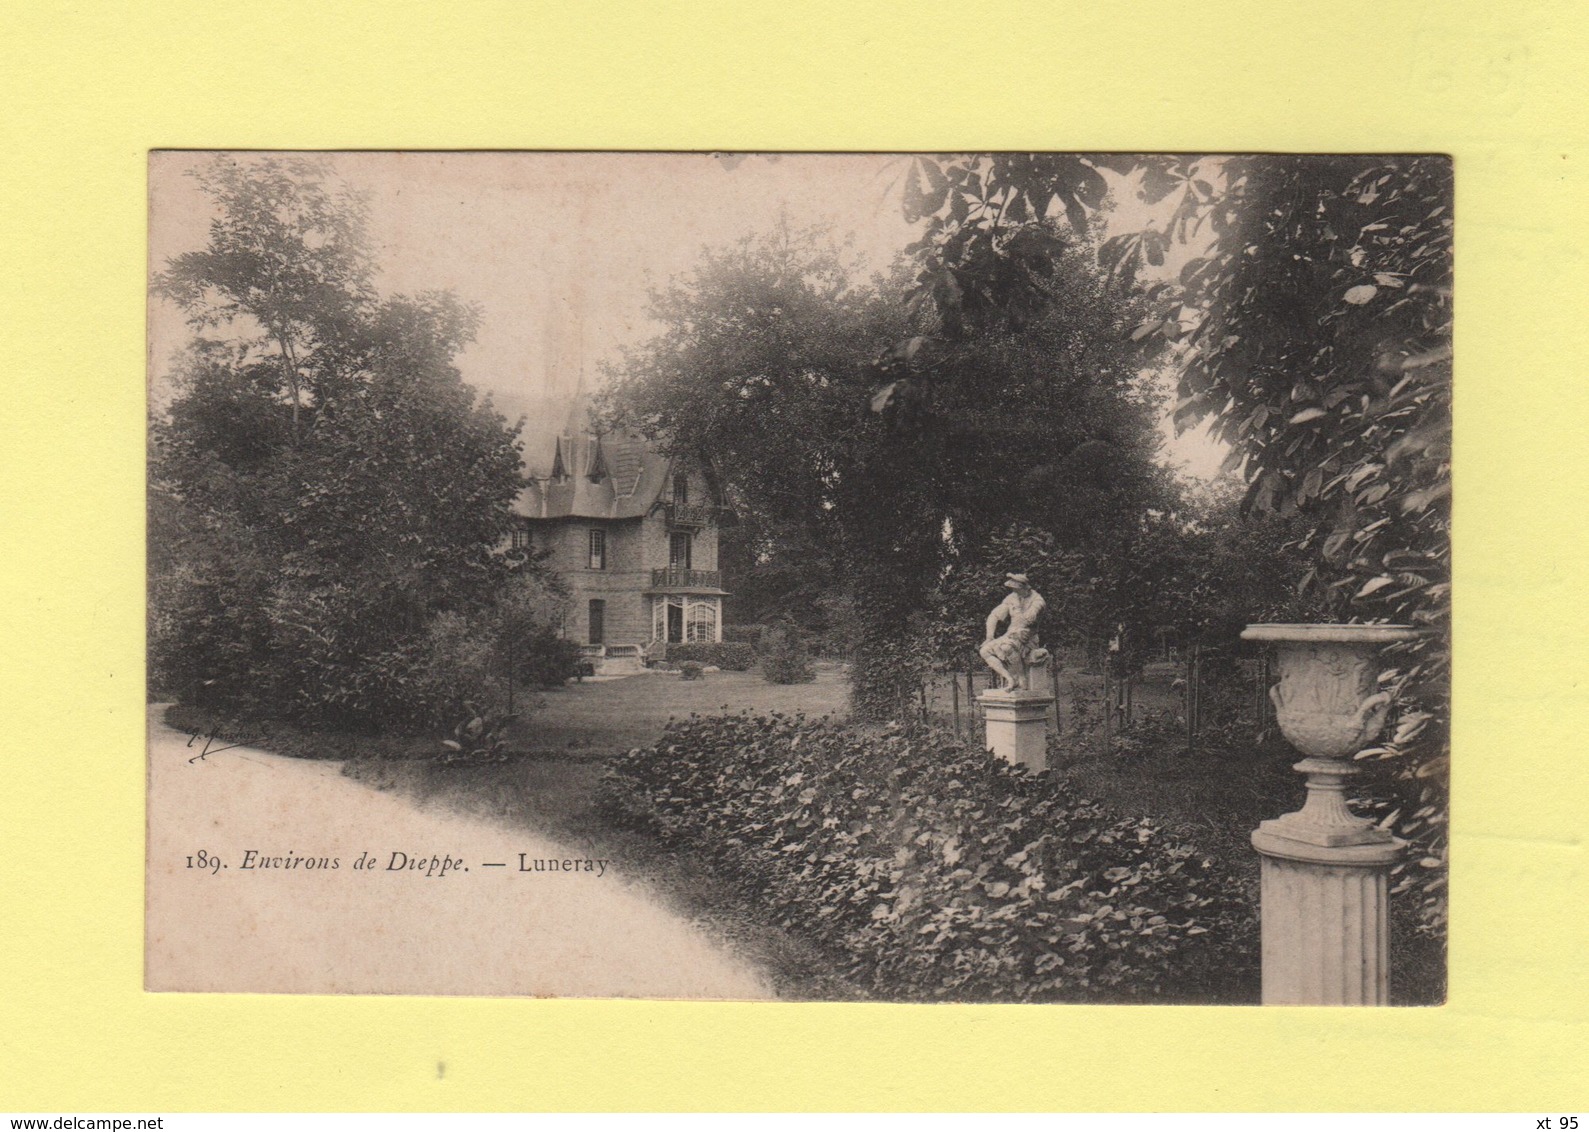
(655, 539)
(652, 541)
(627, 618)
(634, 548)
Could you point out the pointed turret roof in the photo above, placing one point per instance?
(614, 475)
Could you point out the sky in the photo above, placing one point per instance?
(560, 249)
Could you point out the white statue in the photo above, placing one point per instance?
(1013, 655)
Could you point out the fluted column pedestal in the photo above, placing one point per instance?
(1324, 898)
(1324, 932)
(1017, 726)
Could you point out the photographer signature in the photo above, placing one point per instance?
(209, 747)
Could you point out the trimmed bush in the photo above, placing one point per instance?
(546, 660)
(937, 872)
(784, 659)
(731, 656)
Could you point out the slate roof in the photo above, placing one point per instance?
(630, 477)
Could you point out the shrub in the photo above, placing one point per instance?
(325, 656)
(547, 660)
(936, 871)
(891, 691)
(784, 659)
(208, 629)
(689, 670)
(731, 656)
(330, 667)
(479, 738)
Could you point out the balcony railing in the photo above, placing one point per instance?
(672, 578)
(689, 514)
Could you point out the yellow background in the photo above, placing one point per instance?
(90, 87)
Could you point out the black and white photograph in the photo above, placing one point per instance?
(911, 578)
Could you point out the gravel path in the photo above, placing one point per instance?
(291, 923)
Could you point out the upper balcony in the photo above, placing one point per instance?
(689, 516)
(673, 578)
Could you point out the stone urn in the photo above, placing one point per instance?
(1329, 707)
(1324, 871)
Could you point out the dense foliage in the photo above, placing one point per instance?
(769, 363)
(329, 501)
(938, 872)
(1195, 572)
(1309, 321)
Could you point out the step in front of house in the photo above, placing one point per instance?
(619, 665)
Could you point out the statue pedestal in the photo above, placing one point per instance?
(1017, 726)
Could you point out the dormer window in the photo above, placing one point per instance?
(681, 490)
(598, 464)
(559, 471)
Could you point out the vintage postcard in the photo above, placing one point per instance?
(967, 577)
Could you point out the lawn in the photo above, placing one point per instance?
(596, 718)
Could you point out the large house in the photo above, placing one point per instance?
(633, 534)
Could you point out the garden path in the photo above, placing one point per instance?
(485, 931)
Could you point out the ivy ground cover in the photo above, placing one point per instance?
(935, 872)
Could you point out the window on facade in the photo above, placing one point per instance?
(521, 538)
(598, 550)
(598, 621)
(702, 621)
(681, 489)
(684, 619)
(679, 551)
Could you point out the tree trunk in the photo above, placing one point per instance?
(885, 676)
(289, 364)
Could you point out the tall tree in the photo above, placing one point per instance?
(286, 272)
(324, 483)
(768, 363)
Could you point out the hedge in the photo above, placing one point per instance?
(734, 657)
(935, 872)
